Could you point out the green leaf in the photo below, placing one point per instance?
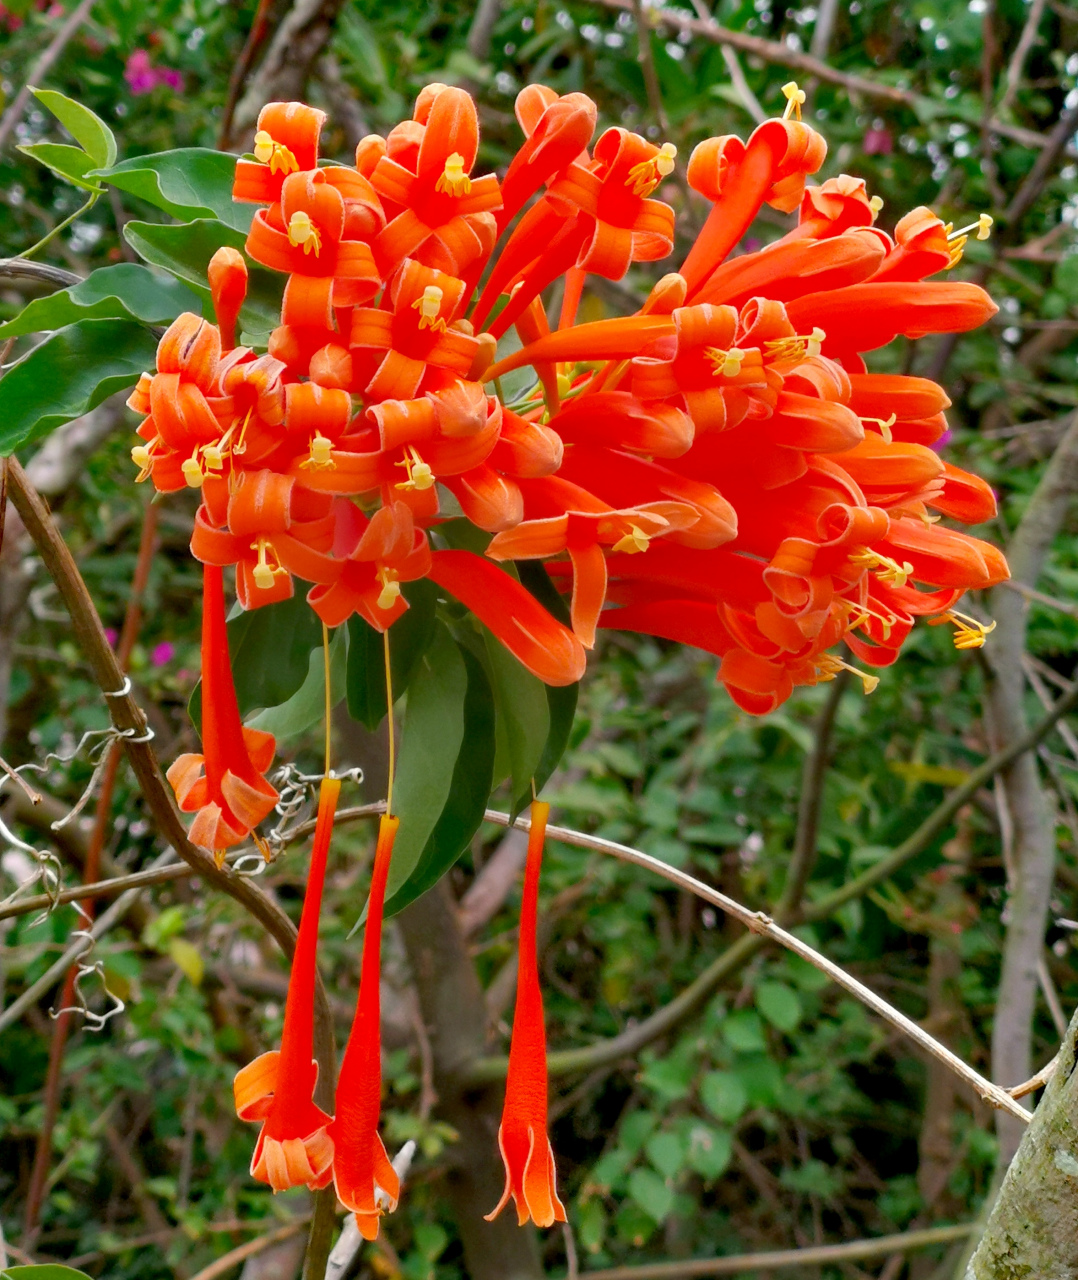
(523, 720)
(125, 291)
(561, 702)
(744, 1031)
(409, 638)
(71, 163)
(430, 744)
(666, 1153)
(91, 132)
(190, 182)
(68, 374)
(651, 1193)
(724, 1095)
(185, 252)
(710, 1150)
(270, 650)
(43, 1271)
(469, 791)
(307, 706)
(779, 1004)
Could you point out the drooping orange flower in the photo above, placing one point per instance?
(530, 1176)
(294, 1148)
(224, 786)
(366, 1182)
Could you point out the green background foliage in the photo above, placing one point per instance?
(781, 1113)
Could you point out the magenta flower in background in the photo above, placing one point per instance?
(162, 654)
(878, 142)
(112, 636)
(143, 77)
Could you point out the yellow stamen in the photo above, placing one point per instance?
(419, 473)
(875, 204)
(885, 425)
(192, 471)
(865, 613)
(797, 345)
(983, 228)
(453, 181)
(828, 666)
(429, 304)
(277, 156)
(321, 455)
(391, 589)
(634, 541)
(795, 100)
(726, 364)
(886, 569)
(645, 177)
(241, 444)
(302, 231)
(264, 572)
(565, 385)
(970, 633)
(143, 458)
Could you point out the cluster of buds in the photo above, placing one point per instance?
(719, 468)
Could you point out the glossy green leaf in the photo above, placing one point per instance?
(125, 291)
(69, 373)
(91, 132)
(469, 791)
(190, 182)
(430, 744)
(307, 706)
(523, 720)
(71, 163)
(185, 250)
(408, 640)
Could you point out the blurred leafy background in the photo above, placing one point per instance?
(775, 1113)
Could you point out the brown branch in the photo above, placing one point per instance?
(244, 1251)
(42, 67)
(817, 1255)
(255, 37)
(1021, 53)
(41, 272)
(782, 55)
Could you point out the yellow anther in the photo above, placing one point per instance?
(212, 455)
(828, 666)
(391, 589)
(453, 180)
(970, 633)
(429, 304)
(420, 476)
(565, 385)
(797, 345)
(278, 157)
(983, 228)
(264, 572)
(865, 614)
(241, 444)
(321, 455)
(142, 457)
(645, 177)
(886, 569)
(875, 204)
(634, 541)
(795, 100)
(884, 424)
(302, 231)
(726, 364)
(192, 471)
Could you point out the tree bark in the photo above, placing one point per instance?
(1033, 1229)
(453, 1007)
(1034, 836)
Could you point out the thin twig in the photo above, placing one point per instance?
(43, 272)
(1035, 1082)
(1021, 53)
(647, 65)
(760, 923)
(255, 37)
(818, 1255)
(235, 1256)
(33, 796)
(42, 67)
(1031, 593)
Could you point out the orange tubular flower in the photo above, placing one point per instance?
(293, 1147)
(225, 786)
(366, 1182)
(227, 274)
(286, 141)
(446, 218)
(530, 1176)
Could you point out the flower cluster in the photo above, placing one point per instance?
(719, 468)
